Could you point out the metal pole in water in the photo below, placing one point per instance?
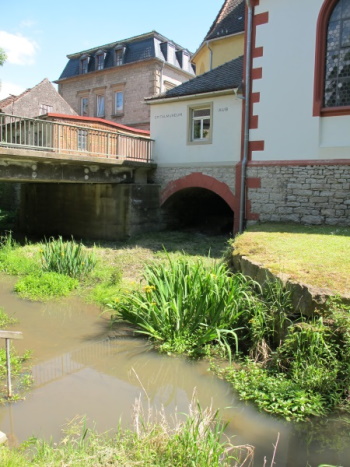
(8, 335)
(8, 367)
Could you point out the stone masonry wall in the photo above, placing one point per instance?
(312, 194)
(225, 174)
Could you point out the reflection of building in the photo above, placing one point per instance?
(112, 81)
(39, 100)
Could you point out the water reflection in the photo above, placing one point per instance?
(78, 370)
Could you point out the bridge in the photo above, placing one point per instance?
(85, 179)
(55, 151)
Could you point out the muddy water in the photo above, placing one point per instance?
(80, 368)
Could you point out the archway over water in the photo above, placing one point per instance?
(198, 209)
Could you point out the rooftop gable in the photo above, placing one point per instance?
(230, 20)
(227, 76)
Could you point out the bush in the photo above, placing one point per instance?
(273, 392)
(67, 258)
(185, 306)
(45, 286)
(13, 260)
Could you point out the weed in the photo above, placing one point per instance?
(185, 306)
(273, 392)
(198, 440)
(67, 258)
(45, 286)
(5, 320)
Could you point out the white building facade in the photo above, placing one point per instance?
(299, 150)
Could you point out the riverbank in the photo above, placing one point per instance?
(313, 257)
(298, 388)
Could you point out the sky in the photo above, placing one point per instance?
(37, 35)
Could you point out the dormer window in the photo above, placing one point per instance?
(84, 64)
(119, 56)
(100, 60)
(179, 56)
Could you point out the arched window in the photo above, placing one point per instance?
(332, 66)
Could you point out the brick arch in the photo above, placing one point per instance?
(199, 180)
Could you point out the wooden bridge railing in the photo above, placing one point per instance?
(65, 138)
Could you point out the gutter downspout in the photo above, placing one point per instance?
(246, 115)
(211, 56)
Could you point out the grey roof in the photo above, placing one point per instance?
(230, 20)
(11, 99)
(226, 76)
(143, 47)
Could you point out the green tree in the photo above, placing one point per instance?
(3, 56)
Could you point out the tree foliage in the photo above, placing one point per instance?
(3, 56)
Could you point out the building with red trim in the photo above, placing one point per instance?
(291, 160)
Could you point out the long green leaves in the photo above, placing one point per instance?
(186, 305)
(67, 258)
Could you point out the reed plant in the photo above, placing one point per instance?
(69, 258)
(185, 305)
(155, 441)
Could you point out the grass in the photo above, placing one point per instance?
(155, 442)
(45, 286)
(317, 255)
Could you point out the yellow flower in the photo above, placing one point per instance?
(149, 288)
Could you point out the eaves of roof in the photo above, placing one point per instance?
(125, 41)
(79, 118)
(226, 76)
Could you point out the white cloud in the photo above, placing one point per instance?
(7, 88)
(27, 23)
(20, 50)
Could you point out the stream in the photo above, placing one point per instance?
(81, 368)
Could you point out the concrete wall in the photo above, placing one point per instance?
(100, 211)
(170, 126)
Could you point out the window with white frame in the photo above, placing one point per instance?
(100, 60)
(119, 57)
(118, 102)
(200, 123)
(100, 106)
(45, 109)
(82, 140)
(84, 106)
(84, 63)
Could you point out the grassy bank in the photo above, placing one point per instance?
(176, 290)
(154, 441)
(314, 255)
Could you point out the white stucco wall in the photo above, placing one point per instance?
(169, 129)
(286, 123)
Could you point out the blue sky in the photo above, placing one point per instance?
(37, 35)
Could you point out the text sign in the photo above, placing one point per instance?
(11, 335)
